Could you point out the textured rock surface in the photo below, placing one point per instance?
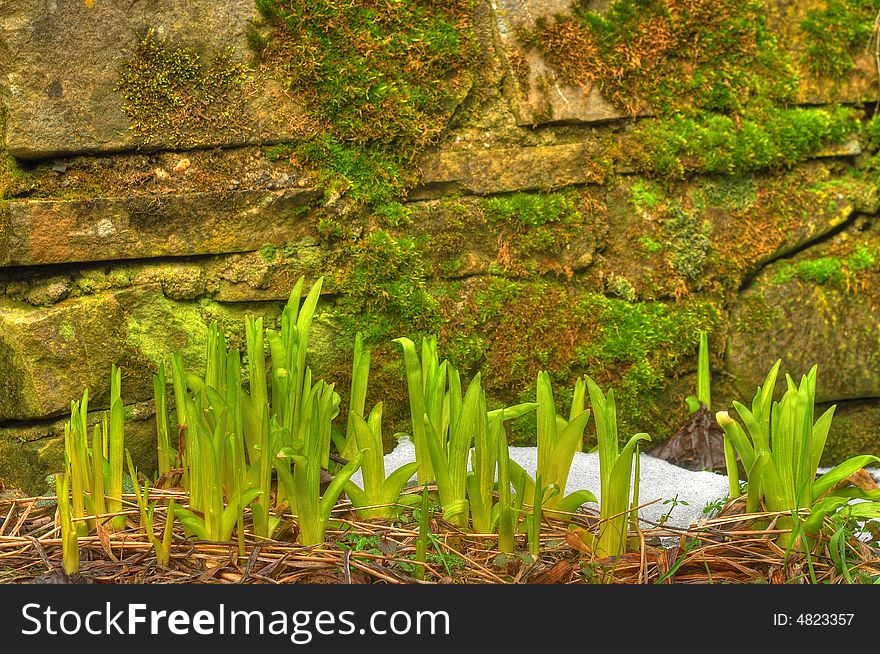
(500, 170)
(60, 231)
(820, 307)
(540, 96)
(60, 68)
(464, 241)
(853, 431)
(48, 356)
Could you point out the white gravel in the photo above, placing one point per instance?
(659, 481)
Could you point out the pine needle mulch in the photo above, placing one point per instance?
(731, 548)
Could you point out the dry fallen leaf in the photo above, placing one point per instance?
(558, 574)
(104, 538)
(861, 479)
(698, 445)
(575, 540)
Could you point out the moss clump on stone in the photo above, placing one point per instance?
(168, 91)
(721, 144)
(837, 32)
(651, 246)
(533, 209)
(645, 194)
(394, 214)
(512, 329)
(532, 223)
(714, 55)
(839, 272)
(383, 291)
(689, 241)
(371, 176)
(380, 81)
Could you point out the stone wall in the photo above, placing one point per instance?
(171, 164)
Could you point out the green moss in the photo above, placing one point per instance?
(169, 92)
(369, 175)
(535, 222)
(840, 272)
(532, 209)
(512, 329)
(871, 133)
(385, 293)
(268, 252)
(67, 331)
(836, 33)
(639, 346)
(450, 267)
(650, 244)
(393, 214)
(710, 72)
(380, 81)
(645, 194)
(714, 55)
(720, 144)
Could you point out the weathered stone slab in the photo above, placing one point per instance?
(500, 170)
(541, 97)
(39, 232)
(484, 171)
(267, 275)
(821, 306)
(30, 452)
(60, 63)
(49, 356)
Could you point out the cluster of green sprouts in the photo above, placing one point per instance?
(780, 449)
(253, 451)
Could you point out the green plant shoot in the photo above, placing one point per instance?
(704, 381)
(379, 494)
(69, 538)
(781, 448)
(147, 510)
(558, 440)
(615, 471)
(303, 485)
